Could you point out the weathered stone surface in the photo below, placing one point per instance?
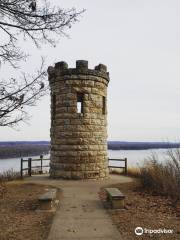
(78, 140)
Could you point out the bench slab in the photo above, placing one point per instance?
(115, 193)
(48, 196)
(48, 200)
(116, 197)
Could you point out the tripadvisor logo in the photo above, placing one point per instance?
(140, 231)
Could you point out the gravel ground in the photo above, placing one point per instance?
(146, 211)
(18, 218)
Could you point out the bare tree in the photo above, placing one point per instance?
(40, 22)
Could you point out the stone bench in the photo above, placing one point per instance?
(48, 200)
(116, 197)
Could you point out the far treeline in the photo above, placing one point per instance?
(23, 149)
(118, 145)
(33, 148)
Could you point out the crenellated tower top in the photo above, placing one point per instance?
(61, 69)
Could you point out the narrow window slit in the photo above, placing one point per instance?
(103, 105)
(80, 98)
(53, 106)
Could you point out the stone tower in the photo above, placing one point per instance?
(78, 121)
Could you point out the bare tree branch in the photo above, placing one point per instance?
(41, 23)
(16, 96)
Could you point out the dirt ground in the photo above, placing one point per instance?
(146, 211)
(18, 218)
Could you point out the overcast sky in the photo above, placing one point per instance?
(139, 41)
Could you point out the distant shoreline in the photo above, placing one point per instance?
(118, 145)
(15, 149)
(23, 150)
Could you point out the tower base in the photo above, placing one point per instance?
(79, 175)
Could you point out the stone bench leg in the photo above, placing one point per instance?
(117, 203)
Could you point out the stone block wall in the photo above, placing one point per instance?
(78, 136)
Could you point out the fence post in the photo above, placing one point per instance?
(29, 166)
(41, 157)
(21, 167)
(125, 166)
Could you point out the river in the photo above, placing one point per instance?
(134, 158)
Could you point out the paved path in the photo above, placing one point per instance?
(81, 215)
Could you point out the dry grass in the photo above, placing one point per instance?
(6, 176)
(133, 172)
(9, 175)
(3, 189)
(116, 171)
(162, 178)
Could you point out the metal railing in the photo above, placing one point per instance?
(29, 166)
(124, 160)
(39, 168)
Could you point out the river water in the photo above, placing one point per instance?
(134, 158)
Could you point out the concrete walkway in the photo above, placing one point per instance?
(81, 215)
